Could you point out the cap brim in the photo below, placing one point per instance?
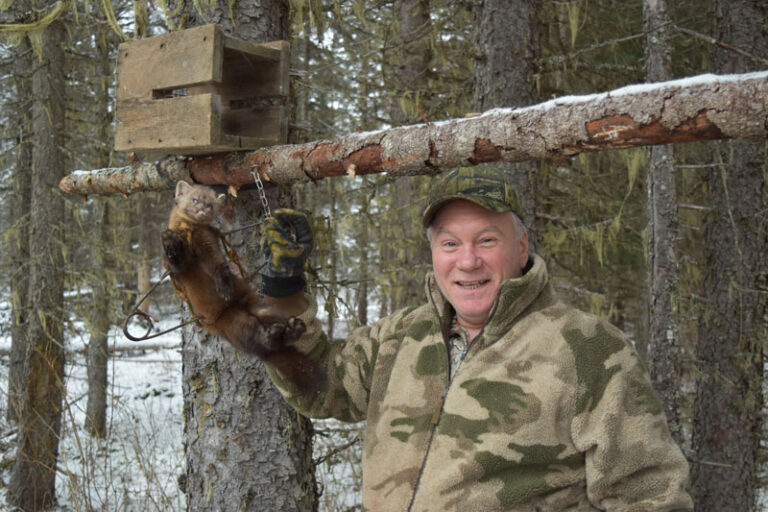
(487, 203)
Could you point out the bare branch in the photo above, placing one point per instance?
(713, 41)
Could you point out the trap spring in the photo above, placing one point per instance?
(150, 324)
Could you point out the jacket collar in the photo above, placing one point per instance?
(515, 295)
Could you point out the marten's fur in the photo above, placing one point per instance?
(224, 302)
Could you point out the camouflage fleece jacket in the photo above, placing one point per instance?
(550, 410)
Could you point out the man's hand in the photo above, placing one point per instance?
(286, 241)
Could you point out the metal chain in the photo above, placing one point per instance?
(262, 194)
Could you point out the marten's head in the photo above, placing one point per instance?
(197, 204)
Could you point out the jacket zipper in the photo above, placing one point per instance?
(437, 413)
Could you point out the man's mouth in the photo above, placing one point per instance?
(472, 285)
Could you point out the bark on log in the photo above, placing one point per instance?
(126, 180)
(705, 107)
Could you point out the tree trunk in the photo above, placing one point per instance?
(732, 330)
(18, 244)
(508, 46)
(407, 68)
(96, 407)
(333, 249)
(246, 449)
(32, 483)
(408, 62)
(363, 269)
(145, 261)
(663, 352)
(363, 273)
(101, 317)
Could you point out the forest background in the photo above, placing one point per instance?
(668, 243)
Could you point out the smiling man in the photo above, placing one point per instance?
(493, 394)
(473, 252)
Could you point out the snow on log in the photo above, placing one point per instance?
(701, 108)
(126, 180)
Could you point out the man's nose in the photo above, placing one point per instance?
(468, 258)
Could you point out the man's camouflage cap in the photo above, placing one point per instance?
(485, 187)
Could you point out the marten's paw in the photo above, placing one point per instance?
(273, 336)
(294, 328)
(279, 334)
(173, 245)
(295, 366)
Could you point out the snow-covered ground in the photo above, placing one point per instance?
(137, 466)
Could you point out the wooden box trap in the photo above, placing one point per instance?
(198, 91)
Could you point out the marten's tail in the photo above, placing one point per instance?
(298, 368)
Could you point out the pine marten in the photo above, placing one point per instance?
(223, 301)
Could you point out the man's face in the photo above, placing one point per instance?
(474, 250)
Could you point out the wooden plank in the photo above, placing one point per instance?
(169, 61)
(284, 67)
(262, 51)
(227, 144)
(231, 143)
(168, 124)
(266, 123)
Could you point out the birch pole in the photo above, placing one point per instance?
(701, 108)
